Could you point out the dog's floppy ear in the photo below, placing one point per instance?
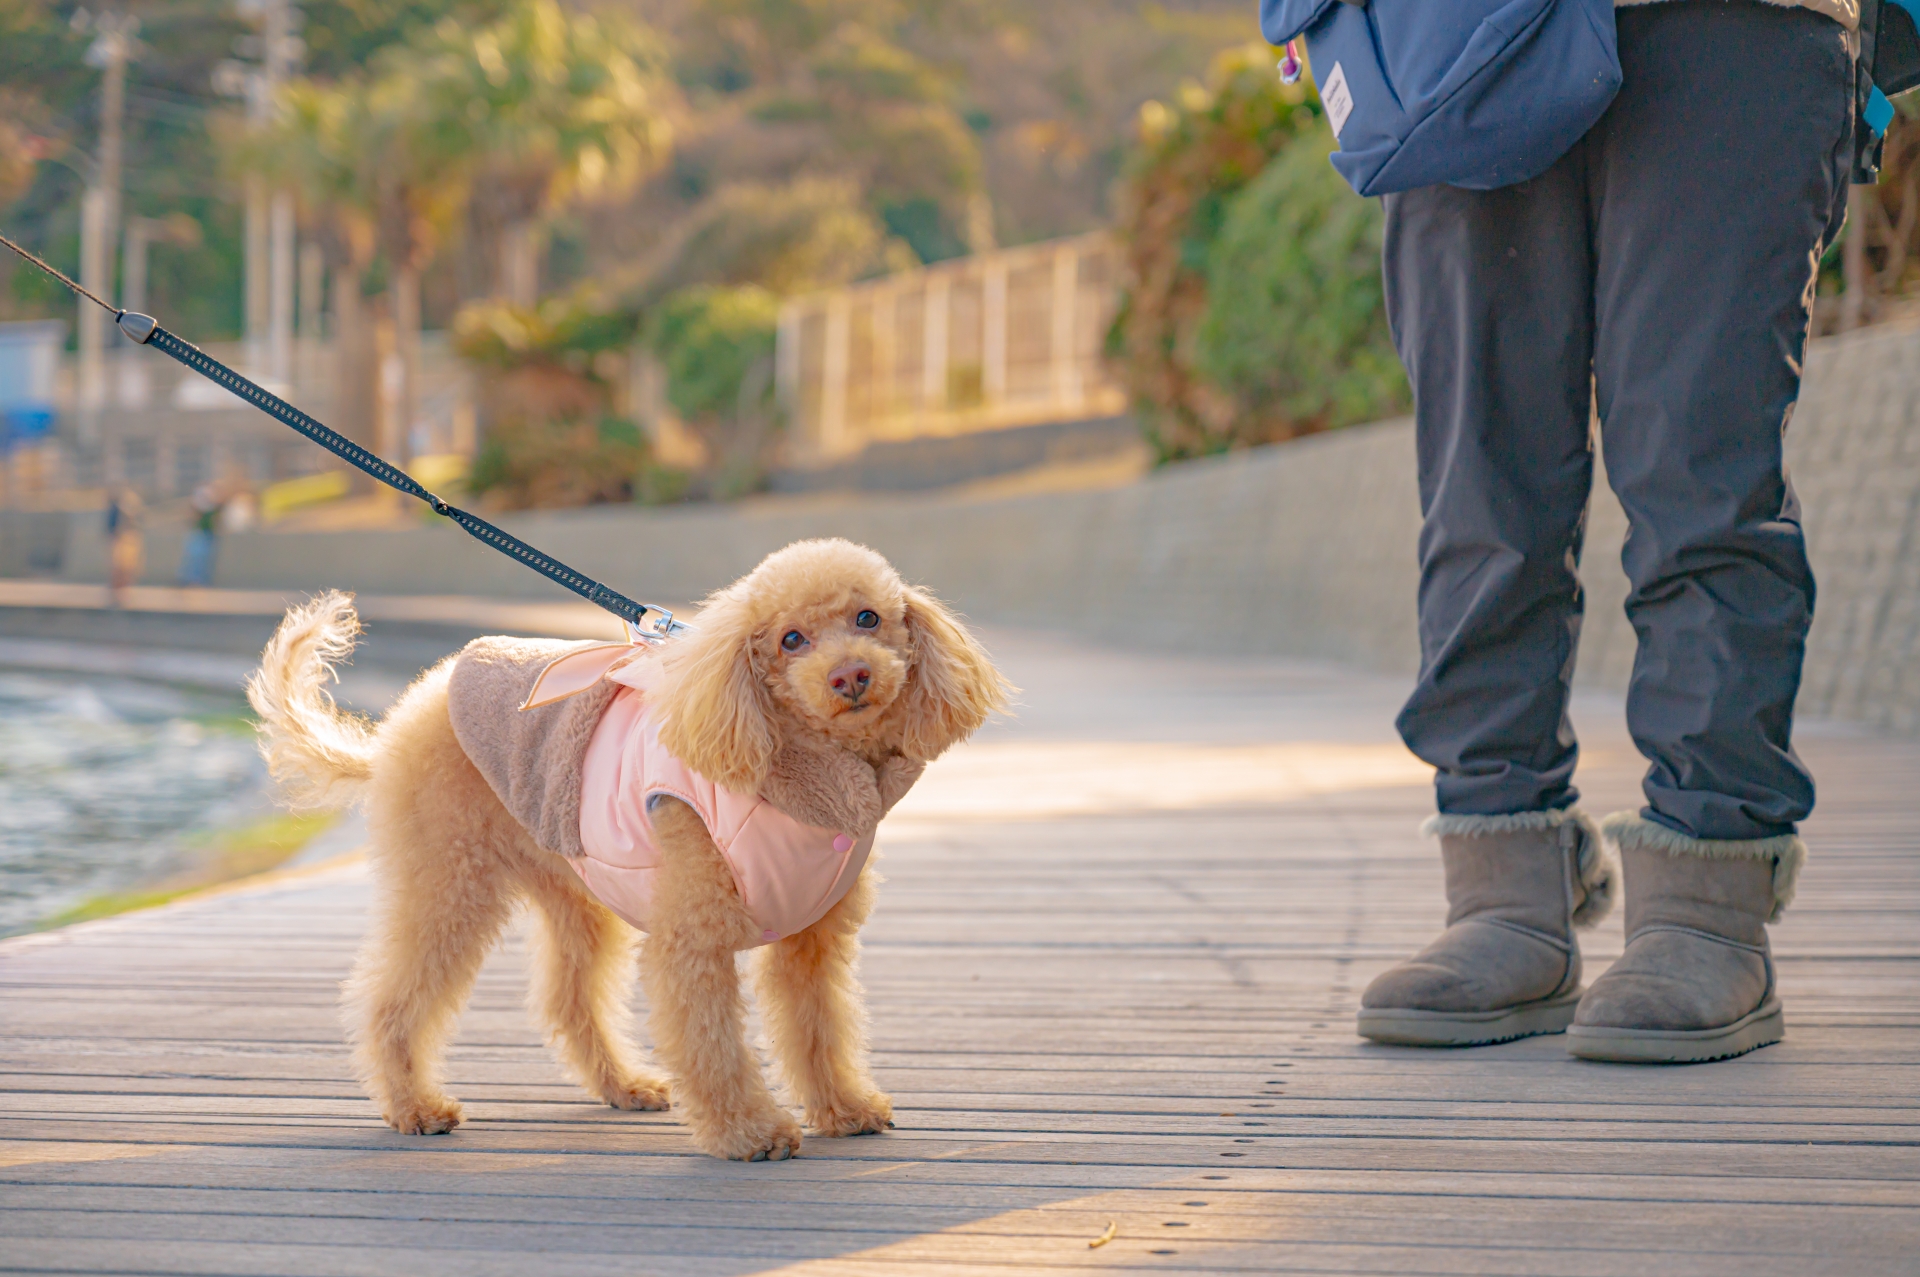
(951, 685)
(714, 710)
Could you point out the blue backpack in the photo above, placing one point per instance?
(1473, 93)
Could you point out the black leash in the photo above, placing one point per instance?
(144, 330)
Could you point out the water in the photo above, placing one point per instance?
(105, 785)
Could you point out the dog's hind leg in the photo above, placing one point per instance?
(583, 969)
(443, 858)
(697, 1012)
(415, 970)
(810, 1000)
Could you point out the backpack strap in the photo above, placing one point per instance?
(1896, 49)
(1888, 65)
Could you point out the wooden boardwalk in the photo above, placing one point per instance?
(1112, 981)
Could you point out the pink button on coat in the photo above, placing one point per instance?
(788, 874)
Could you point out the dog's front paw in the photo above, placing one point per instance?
(767, 1135)
(825, 787)
(640, 1095)
(434, 1116)
(895, 777)
(868, 1114)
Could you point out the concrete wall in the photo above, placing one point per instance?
(32, 542)
(1306, 549)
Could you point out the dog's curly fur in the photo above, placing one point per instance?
(737, 704)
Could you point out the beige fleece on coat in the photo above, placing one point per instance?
(1845, 12)
(529, 758)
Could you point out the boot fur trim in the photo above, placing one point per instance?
(1630, 831)
(1599, 870)
(1511, 823)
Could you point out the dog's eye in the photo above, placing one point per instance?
(793, 640)
(867, 620)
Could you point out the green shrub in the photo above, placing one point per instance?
(567, 331)
(1295, 327)
(711, 340)
(549, 374)
(662, 485)
(716, 345)
(529, 463)
(1192, 158)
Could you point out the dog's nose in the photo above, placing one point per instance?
(851, 680)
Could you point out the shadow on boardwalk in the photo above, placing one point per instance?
(1112, 980)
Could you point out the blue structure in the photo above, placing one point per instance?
(29, 360)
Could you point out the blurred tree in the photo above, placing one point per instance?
(545, 463)
(20, 146)
(1878, 257)
(553, 436)
(717, 347)
(422, 173)
(710, 340)
(343, 36)
(318, 146)
(812, 233)
(1896, 212)
(759, 41)
(1192, 159)
(828, 87)
(169, 164)
(548, 106)
(1295, 326)
(377, 170)
(495, 126)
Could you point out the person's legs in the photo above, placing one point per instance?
(1489, 294)
(196, 558)
(1490, 298)
(1719, 178)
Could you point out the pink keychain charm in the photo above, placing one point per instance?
(1291, 66)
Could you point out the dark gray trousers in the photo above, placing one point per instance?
(1663, 269)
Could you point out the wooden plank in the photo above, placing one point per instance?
(1090, 1017)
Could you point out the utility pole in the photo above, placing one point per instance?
(113, 47)
(269, 235)
(134, 385)
(313, 287)
(180, 230)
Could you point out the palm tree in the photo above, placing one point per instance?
(373, 170)
(548, 106)
(420, 181)
(500, 125)
(313, 148)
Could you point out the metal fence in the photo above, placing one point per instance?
(1007, 338)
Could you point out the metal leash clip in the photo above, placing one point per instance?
(656, 628)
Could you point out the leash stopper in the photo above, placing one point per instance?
(138, 328)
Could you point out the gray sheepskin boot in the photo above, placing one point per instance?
(1696, 980)
(1507, 965)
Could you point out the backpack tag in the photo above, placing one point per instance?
(1337, 99)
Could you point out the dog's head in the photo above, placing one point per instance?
(822, 639)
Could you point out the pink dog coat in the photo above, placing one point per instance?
(788, 874)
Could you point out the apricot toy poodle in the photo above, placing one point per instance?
(718, 791)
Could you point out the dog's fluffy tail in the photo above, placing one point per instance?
(321, 756)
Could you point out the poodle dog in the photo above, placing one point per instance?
(719, 791)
